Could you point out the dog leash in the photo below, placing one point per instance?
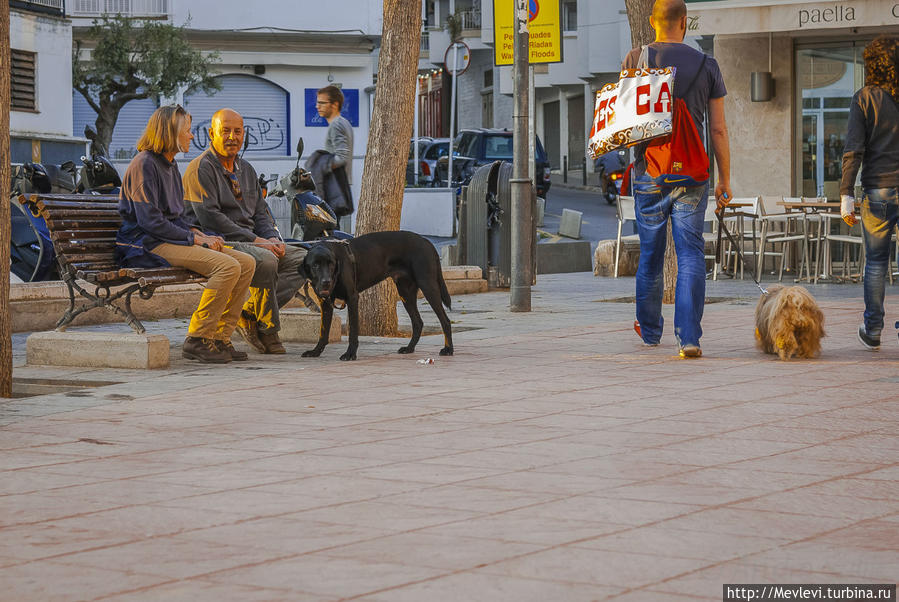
(719, 252)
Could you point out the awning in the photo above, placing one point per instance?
(706, 17)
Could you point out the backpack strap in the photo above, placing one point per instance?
(695, 77)
(643, 61)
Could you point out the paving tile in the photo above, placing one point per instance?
(326, 575)
(169, 557)
(527, 527)
(384, 516)
(195, 589)
(580, 565)
(756, 523)
(708, 583)
(55, 581)
(474, 585)
(284, 535)
(811, 503)
(656, 539)
(874, 566)
(434, 550)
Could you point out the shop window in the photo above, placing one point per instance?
(22, 81)
(828, 77)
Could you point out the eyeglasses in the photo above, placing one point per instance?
(323, 102)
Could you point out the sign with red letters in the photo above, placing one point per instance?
(635, 109)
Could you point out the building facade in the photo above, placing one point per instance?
(595, 38)
(273, 58)
(40, 119)
(790, 143)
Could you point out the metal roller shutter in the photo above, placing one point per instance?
(128, 128)
(263, 104)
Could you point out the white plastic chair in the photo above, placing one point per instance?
(627, 211)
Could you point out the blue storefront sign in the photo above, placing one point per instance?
(350, 108)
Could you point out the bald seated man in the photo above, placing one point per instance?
(699, 83)
(226, 199)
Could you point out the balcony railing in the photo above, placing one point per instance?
(471, 18)
(51, 7)
(128, 8)
(425, 45)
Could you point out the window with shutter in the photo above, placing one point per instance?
(22, 81)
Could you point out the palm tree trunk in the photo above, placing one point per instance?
(384, 175)
(638, 12)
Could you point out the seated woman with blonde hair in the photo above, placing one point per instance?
(154, 233)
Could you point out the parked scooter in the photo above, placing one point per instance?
(31, 251)
(311, 217)
(98, 176)
(610, 168)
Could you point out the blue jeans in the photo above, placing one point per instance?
(880, 210)
(686, 208)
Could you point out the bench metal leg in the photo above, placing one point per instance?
(103, 297)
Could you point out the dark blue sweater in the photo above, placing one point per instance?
(151, 204)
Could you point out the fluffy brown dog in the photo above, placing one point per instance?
(789, 323)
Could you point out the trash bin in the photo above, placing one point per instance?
(488, 210)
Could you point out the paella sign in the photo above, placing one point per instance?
(635, 109)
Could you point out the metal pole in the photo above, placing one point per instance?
(522, 222)
(452, 132)
(415, 127)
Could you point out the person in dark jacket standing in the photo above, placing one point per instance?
(872, 142)
(154, 232)
(332, 167)
(225, 196)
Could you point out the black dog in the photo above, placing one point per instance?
(343, 269)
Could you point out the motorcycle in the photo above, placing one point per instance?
(311, 217)
(31, 251)
(98, 176)
(611, 167)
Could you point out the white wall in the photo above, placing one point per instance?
(300, 15)
(51, 39)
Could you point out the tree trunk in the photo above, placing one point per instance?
(384, 175)
(638, 12)
(5, 325)
(105, 123)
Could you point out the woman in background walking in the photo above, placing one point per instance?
(872, 142)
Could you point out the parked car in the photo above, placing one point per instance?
(429, 150)
(475, 147)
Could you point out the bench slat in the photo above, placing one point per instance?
(86, 246)
(85, 234)
(87, 257)
(77, 224)
(45, 205)
(75, 198)
(163, 271)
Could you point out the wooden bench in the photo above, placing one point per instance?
(83, 230)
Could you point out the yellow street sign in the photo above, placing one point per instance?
(544, 23)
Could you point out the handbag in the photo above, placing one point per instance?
(637, 108)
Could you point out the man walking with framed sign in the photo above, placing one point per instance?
(699, 85)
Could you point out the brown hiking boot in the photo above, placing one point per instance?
(237, 356)
(248, 328)
(272, 342)
(206, 351)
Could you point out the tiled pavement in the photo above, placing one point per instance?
(553, 458)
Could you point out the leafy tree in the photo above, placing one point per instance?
(132, 59)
